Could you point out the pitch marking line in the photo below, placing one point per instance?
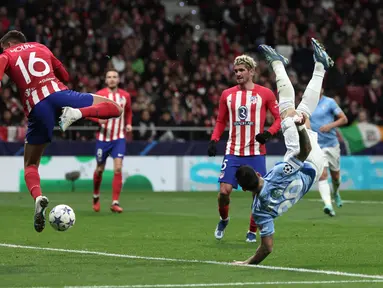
(351, 201)
(302, 270)
(230, 284)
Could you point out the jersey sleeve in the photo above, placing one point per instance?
(3, 65)
(267, 228)
(272, 106)
(128, 110)
(336, 110)
(223, 116)
(59, 69)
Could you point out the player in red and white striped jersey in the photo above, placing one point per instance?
(111, 140)
(244, 106)
(38, 75)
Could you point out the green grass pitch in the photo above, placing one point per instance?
(180, 226)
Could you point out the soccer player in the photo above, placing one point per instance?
(39, 76)
(322, 122)
(245, 106)
(111, 140)
(303, 163)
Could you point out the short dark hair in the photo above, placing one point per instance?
(247, 178)
(13, 36)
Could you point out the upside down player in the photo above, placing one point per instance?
(303, 163)
(111, 140)
(245, 106)
(38, 74)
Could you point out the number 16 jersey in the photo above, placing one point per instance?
(32, 66)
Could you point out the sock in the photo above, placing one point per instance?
(224, 212)
(324, 190)
(253, 226)
(285, 88)
(117, 186)
(335, 186)
(32, 179)
(104, 110)
(96, 184)
(312, 93)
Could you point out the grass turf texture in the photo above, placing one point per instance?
(181, 225)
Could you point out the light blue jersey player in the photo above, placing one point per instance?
(288, 181)
(326, 117)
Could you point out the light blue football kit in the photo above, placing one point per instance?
(285, 184)
(324, 114)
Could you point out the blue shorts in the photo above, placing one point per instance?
(44, 115)
(231, 163)
(115, 148)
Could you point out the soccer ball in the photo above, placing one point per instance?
(62, 217)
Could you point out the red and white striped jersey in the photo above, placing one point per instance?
(246, 111)
(115, 128)
(35, 71)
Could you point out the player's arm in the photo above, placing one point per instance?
(266, 246)
(272, 106)
(3, 66)
(223, 116)
(59, 69)
(128, 114)
(340, 121)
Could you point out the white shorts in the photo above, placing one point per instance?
(332, 157)
(316, 156)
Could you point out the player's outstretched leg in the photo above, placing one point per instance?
(284, 86)
(101, 108)
(223, 208)
(311, 95)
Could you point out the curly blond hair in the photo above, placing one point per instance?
(245, 60)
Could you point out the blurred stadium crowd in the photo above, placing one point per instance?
(176, 81)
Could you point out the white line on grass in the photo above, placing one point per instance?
(230, 284)
(302, 270)
(351, 201)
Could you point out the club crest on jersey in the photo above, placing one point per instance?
(253, 99)
(222, 175)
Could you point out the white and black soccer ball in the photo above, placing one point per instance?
(62, 217)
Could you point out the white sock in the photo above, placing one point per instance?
(115, 202)
(325, 193)
(311, 95)
(285, 88)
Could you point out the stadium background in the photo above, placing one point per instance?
(175, 58)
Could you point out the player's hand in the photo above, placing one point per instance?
(263, 137)
(299, 120)
(102, 121)
(325, 128)
(129, 128)
(240, 263)
(212, 148)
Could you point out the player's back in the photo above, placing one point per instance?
(324, 114)
(31, 66)
(283, 187)
(114, 128)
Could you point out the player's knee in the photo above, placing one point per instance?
(223, 199)
(324, 174)
(225, 189)
(99, 170)
(117, 170)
